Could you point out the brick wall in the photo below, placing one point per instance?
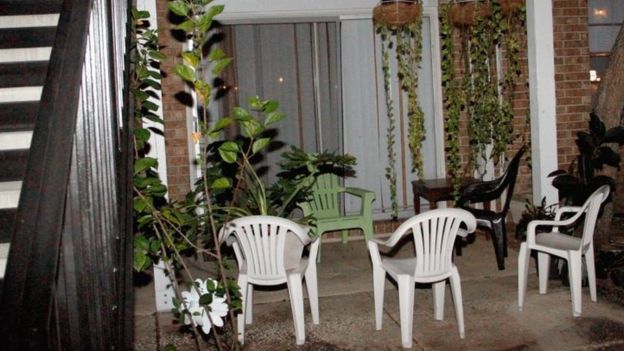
(174, 111)
(573, 87)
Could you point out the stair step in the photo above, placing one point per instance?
(15, 140)
(20, 74)
(20, 94)
(25, 7)
(27, 54)
(13, 38)
(30, 21)
(18, 116)
(13, 165)
(9, 194)
(4, 255)
(7, 218)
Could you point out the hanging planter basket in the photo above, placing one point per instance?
(466, 14)
(510, 7)
(397, 13)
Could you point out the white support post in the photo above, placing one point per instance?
(163, 289)
(543, 102)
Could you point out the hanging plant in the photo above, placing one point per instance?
(486, 26)
(453, 98)
(399, 24)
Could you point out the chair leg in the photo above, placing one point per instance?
(543, 270)
(240, 318)
(591, 271)
(312, 287)
(499, 244)
(438, 299)
(457, 300)
(504, 231)
(295, 293)
(345, 236)
(523, 271)
(379, 279)
(249, 309)
(458, 246)
(368, 230)
(406, 305)
(575, 276)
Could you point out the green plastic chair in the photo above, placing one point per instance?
(324, 205)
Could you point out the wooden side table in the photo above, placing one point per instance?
(434, 190)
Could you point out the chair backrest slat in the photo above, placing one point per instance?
(259, 243)
(325, 198)
(434, 235)
(592, 209)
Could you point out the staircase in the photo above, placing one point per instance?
(27, 30)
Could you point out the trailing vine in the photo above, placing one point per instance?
(391, 174)
(453, 98)
(489, 94)
(407, 41)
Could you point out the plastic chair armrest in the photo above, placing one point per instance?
(463, 232)
(566, 209)
(373, 249)
(358, 192)
(531, 228)
(367, 199)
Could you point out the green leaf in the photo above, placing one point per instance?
(157, 55)
(216, 54)
(205, 22)
(185, 72)
(221, 183)
(190, 58)
(149, 105)
(241, 114)
(260, 144)
(222, 123)
(178, 7)
(254, 102)
(205, 299)
(214, 10)
(142, 134)
(145, 163)
(154, 246)
(141, 261)
(140, 14)
(229, 151)
(269, 106)
(139, 205)
(274, 117)
(141, 242)
(251, 128)
(186, 26)
(170, 348)
(220, 65)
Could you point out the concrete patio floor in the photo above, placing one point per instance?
(491, 314)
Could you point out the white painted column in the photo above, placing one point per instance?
(163, 288)
(543, 102)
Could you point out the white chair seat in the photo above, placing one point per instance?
(268, 252)
(434, 237)
(567, 247)
(407, 266)
(558, 241)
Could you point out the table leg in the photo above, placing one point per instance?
(416, 204)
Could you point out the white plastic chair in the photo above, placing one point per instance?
(434, 237)
(565, 246)
(268, 252)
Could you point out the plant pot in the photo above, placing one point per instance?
(397, 13)
(510, 7)
(468, 13)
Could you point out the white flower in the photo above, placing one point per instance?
(217, 309)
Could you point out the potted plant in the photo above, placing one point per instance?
(397, 13)
(467, 13)
(580, 179)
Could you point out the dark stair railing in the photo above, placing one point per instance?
(68, 282)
